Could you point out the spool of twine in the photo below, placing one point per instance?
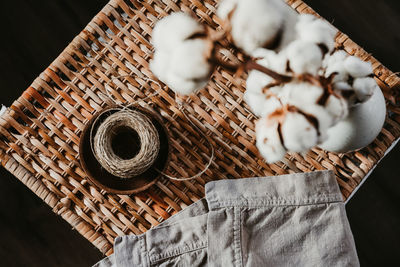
(111, 132)
(102, 147)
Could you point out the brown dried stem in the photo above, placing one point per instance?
(252, 65)
(248, 65)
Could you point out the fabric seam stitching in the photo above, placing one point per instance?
(143, 251)
(260, 203)
(157, 258)
(238, 251)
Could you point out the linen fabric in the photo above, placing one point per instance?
(288, 220)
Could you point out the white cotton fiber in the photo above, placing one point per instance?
(160, 63)
(357, 68)
(190, 59)
(311, 29)
(343, 86)
(181, 63)
(360, 128)
(271, 105)
(255, 101)
(271, 59)
(184, 86)
(305, 96)
(300, 94)
(268, 141)
(339, 71)
(347, 67)
(324, 118)
(298, 133)
(335, 64)
(338, 56)
(260, 104)
(189, 69)
(304, 57)
(225, 7)
(174, 29)
(256, 81)
(254, 23)
(364, 88)
(337, 107)
(185, 70)
(262, 53)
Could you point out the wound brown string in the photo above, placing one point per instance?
(126, 117)
(111, 129)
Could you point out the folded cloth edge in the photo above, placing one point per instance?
(291, 189)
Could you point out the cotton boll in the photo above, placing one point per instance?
(159, 65)
(225, 7)
(337, 107)
(323, 116)
(335, 64)
(318, 31)
(281, 18)
(298, 133)
(188, 69)
(174, 29)
(357, 68)
(271, 105)
(260, 104)
(364, 88)
(304, 57)
(360, 127)
(344, 67)
(190, 59)
(262, 53)
(338, 56)
(320, 115)
(179, 62)
(254, 23)
(255, 101)
(339, 70)
(343, 86)
(256, 81)
(268, 141)
(270, 59)
(184, 86)
(305, 96)
(300, 93)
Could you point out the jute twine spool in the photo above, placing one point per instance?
(149, 143)
(129, 168)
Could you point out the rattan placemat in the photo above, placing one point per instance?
(39, 134)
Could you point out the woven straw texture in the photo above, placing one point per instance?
(39, 133)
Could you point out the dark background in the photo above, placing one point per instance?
(34, 32)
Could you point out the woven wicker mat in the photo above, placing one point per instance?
(39, 134)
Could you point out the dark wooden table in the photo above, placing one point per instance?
(36, 31)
